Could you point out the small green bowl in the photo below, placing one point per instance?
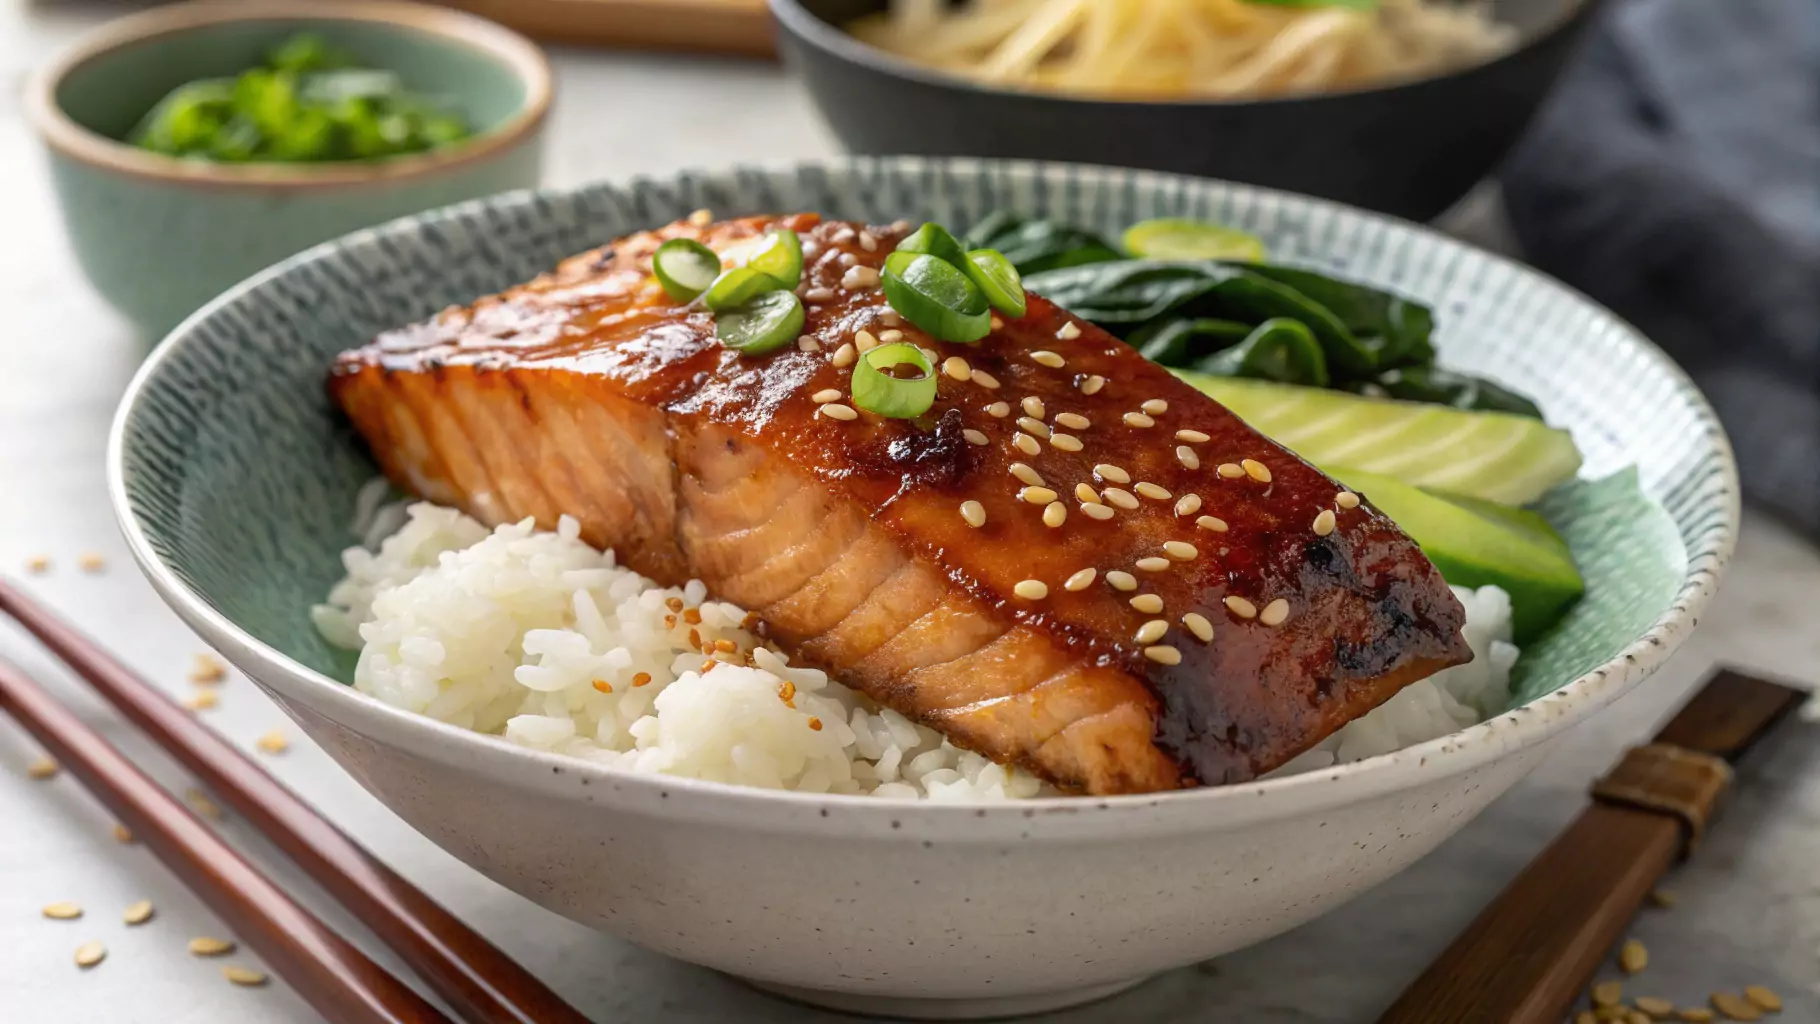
(159, 236)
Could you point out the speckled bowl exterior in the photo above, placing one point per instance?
(234, 479)
(159, 236)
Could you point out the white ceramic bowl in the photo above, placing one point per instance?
(233, 480)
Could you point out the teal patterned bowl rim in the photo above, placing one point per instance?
(1683, 458)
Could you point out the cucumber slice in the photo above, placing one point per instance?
(1477, 544)
(1181, 238)
(1493, 456)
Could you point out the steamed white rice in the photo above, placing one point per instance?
(540, 639)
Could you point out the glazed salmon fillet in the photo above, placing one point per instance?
(1072, 562)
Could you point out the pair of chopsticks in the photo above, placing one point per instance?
(473, 976)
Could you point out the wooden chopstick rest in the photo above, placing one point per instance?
(1527, 957)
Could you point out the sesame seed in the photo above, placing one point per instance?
(1093, 384)
(1152, 564)
(825, 395)
(1212, 524)
(1231, 470)
(1030, 476)
(819, 295)
(786, 692)
(1073, 420)
(842, 236)
(274, 742)
(1138, 419)
(815, 723)
(1346, 499)
(1097, 511)
(1653, 1007)
(1191, 436)
(701, 217)
(808, 343)
(123, 835)
(1763, 998)
(1036, 495)
(1026, 444)
(1048, 358)
(90, 562)
(1086, 494)
(1163, 654)
(1188, 505)
(1150, 632)
(1081, 580)
(1186, 456)
(837, 411)
(38, 565)
(997, 324)
(1054, 514)
(1181, 550)
(1242, 608)
(1694, 1014)
(864, 341)
(1323, 523)
(201, 804)
(207, 669)
(1120, 497)
(1274, 613)
(201, 700)
(204, 945)
(1031, 590)
(1149, 604)
(1152, 491)
(1256, 470)
(1199, 626)
(641, 679)
(1735, 1007)
(1068, 331)
(1107, 471)
(859, 277)
(887, 337)
(956, 367)
(1033, 406)
(1632, 956)
(1121, 580)
(245, 977)
(1155, 407)
(41, 769)
(844, 356)
(985, 380)
(1065, 442)
(138, 913)
(974, 513)
(62, 911)
(889, 317)
(998, 409)
(90, 953)
(1031, 425)
(867, 242)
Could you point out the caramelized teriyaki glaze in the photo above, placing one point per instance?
(490, 407)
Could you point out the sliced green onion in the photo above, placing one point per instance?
(767, 321)
(879, 392)
(1182, 238)
(781, 256)
(936, 296)
(739, 286)
(685, 268)
(998, 279)
(934, 240)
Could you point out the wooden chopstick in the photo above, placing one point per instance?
(478, 980)
(328, 972)
(1530, 954)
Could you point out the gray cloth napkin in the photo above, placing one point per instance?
(1675, 177)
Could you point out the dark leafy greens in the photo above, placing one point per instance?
(1235, 319)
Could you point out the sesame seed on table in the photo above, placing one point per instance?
(1740, 918)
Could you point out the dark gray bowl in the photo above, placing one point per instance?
(1410, 149)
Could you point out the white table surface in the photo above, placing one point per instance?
(1750, 904)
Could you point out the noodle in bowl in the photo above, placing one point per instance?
(1204, 49)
